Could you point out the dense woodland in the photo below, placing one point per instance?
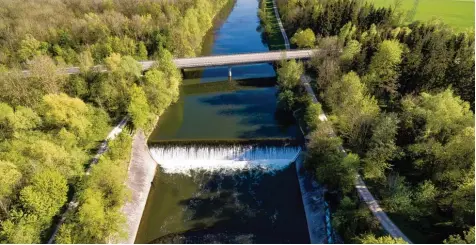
(401, 99)
(51, 124)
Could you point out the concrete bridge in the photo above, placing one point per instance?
(219, 60)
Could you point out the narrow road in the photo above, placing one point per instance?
(362, 189)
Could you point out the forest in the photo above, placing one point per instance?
(52, 124)
(401, 99)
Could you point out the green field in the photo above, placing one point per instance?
(456, 13)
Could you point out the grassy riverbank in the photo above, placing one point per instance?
(270, 27)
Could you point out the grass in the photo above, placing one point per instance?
(458, 14)
(274, 37)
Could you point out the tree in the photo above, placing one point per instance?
(424, 198)
(158, 91)
(60, 110)
(467, 238)
(352, 219)
(304, 39)
(21, 228)
(313, 111)
(382, 147)
(138, 107)
(352, 48)
(347, 32)
(383, 73)
(286, 100)
(45, 76)
(352, 109)
(30, 47)
(330, 164)
(398, 196)
(444, 114)
(45, 195)
(86, 61)
(371, 239)
(9, 179)
(14, 122)
(289, 74)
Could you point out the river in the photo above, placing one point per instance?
(225, 192)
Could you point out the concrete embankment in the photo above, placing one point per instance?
(314, 204)
(140, 175)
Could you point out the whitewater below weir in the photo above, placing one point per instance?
(189, 159)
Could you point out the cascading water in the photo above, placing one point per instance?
(184, 159)
(225, 194)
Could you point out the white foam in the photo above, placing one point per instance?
(184, 159)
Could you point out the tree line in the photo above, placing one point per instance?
(401, 99)
(51, 124)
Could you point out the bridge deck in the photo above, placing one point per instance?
(217, 60)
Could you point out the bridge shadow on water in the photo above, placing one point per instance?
(243, 207)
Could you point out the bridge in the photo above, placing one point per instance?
(218, 60)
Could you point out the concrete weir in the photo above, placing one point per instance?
(140, 176)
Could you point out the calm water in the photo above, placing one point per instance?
(213, 197)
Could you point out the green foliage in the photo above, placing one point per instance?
(304, 38)
(313, 111)
(382, 147)
(289, 74)
(98, 218)
(21, 228)
(45, 195)
(398, 196)
(467, 238)
(352, 48)
(286, 100)
(371, 239)
(332, 167)
(352, 108)
(443, 113)
(351, 220)
(383, 73)
(60, 110)
(30, 47)
(138, 107)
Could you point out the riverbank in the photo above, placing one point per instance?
(141, 173)
(314, 204)
(271, 26)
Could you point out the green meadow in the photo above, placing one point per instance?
(456, 13)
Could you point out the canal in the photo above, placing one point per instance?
(225, 192)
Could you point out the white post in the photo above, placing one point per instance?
(229, 71)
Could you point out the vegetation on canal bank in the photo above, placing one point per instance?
(51, 124)
(400, 99)
(269, 25)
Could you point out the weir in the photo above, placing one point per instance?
(183, 159)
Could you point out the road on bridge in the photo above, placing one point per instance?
(217, 60)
